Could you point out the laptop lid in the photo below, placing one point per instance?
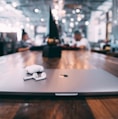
(60, 83)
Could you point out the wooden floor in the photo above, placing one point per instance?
(59, 108)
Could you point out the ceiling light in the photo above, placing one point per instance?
(72, 19)
(36, 10)
(42, 20)
(63, 20)
(86, 23)
(14, 4)
(71, 24)
(77, 10)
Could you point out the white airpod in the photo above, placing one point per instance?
(34, 76)
(43, 76)
(34, 69)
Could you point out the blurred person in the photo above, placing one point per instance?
(107, 45)
(23, 45)
(80, 42)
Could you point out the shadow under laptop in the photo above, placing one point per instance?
(54, 108)
(51, 107)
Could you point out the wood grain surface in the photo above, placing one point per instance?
(62, 107)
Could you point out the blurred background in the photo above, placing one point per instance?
(96, 19)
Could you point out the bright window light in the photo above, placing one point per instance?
(1, 9)
(14, 4)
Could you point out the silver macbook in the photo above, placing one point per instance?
(60, 82)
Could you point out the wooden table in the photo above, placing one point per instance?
(59, 108)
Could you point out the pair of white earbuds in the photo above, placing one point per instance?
(33, 69)
(36, 77)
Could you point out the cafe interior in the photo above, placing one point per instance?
(58, 59)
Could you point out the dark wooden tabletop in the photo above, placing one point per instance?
(59, 108)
